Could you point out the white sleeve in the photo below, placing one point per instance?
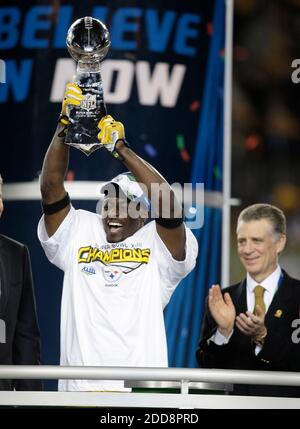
(257, 349)
(220, 339)
(171, 270)
(58, 246)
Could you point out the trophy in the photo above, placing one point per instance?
(87, 42)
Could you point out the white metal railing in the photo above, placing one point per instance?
(184, 376)
(140, 373)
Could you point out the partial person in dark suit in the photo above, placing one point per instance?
(19, 332)
(249, 325)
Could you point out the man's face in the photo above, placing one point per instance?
(116, 222)
(258, 247)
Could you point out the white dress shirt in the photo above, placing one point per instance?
(270, 284)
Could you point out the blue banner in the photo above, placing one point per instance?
(184, 313)
(153, 81)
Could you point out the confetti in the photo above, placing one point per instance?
(181, 146)
(210, 29)
(217, 173)
(70, 176)
(194, 106)
(185, 155)
(150, 150)
(252, 142)
(180, 142)
(222, 53)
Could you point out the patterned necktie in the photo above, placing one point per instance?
(259, 298)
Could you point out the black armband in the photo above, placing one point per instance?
(63, 132)
(169, 223)
(53, 208)
(115, 152)
(64, 121)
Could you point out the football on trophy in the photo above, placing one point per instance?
(88, 40)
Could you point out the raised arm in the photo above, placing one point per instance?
(54, 170)
(170, 229)
(55, 167)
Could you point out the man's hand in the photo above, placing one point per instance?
(73, 96)
(110, 132)
(222, 310)
(252, 325)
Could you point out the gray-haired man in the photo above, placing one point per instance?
(250, 325)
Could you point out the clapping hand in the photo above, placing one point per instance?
(222, 310)
(252, 325)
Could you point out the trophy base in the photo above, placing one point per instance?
(88, 149)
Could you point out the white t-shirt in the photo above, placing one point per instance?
(113, 295)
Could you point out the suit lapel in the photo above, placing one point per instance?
(244, 341)
(4, 268)
(241, 298)
(282, 299)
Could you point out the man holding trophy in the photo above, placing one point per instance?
(119, 272)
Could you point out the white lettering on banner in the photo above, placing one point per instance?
(161, 86)
(65, 70)
(124, 71)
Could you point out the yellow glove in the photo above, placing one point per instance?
(110, 132)
(73, 96)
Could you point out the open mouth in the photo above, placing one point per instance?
(114, 226)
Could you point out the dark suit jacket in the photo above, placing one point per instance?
(17, 310)
(279, 352)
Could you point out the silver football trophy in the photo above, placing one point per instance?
(88, 43)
